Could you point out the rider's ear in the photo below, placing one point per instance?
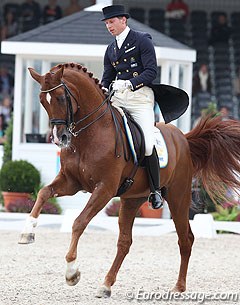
(35, 75)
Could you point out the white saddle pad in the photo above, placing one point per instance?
(161, 148)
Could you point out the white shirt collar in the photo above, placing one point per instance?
(121, 37)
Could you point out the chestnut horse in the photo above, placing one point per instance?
(84, 126)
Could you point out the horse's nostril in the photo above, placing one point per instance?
(64, 138)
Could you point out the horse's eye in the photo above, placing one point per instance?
(61, 98)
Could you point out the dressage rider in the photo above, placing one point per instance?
(130, 64)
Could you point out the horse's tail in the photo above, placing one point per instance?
(215, 151)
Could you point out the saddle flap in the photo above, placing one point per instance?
(137, 136)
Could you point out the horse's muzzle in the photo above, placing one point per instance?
(61, 136)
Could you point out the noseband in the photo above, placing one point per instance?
(69, 122)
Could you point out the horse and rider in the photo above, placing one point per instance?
(86, 126)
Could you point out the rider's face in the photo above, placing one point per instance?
(116, 25)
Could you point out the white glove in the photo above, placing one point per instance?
(105, 89)
(121, 85)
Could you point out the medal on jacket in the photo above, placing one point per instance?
(133, 62)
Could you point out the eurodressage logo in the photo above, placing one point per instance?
(199, 297)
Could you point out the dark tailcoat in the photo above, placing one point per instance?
(136, 61)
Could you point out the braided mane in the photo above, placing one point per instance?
(79, 68)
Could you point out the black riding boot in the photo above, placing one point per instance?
(152, 165)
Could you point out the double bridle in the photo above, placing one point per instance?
(69, 122)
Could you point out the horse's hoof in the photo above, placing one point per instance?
(74, 279)
(178, 289)
(103, 292)
(26, 238)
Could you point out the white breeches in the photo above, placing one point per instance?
(140, 104)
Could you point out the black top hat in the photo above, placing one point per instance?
(114, 11)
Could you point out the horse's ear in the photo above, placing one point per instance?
(35, 75)
(59, 73)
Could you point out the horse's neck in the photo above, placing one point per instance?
(92, 108)
(90, 96)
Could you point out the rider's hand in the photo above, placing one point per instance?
(105, 89)
(121, 85)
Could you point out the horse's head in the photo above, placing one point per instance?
(59, 99)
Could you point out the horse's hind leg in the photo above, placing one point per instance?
(179, 201)
(127, 213)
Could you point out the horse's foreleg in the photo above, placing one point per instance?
(54, 189)
(127, 215)
(179, 206)
(28, 234)
(100, 197)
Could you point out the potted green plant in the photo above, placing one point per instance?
(18, 179)
(228, 212)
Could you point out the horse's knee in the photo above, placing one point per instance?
(45, 192)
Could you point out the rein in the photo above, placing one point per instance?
(69, 122)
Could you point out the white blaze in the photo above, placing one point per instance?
(55, 138)
(48, 97)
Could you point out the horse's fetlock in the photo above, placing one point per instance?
(70, 258)
(109, 280)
